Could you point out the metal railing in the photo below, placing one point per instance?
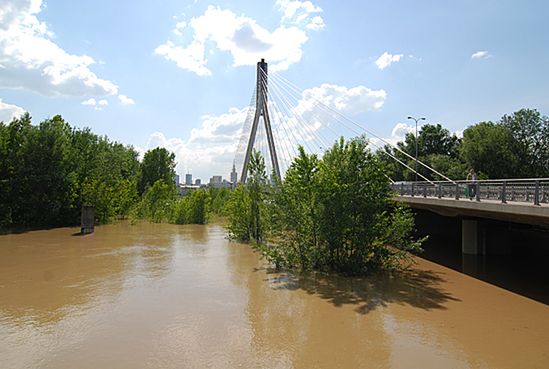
(529, 190)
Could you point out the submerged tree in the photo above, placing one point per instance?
(334, 213)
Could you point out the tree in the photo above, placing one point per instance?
(489, 148)
(296, 211)
(157, 164)
(530, 132)
(257, 181)
(434, 141)
(336, 213)
(157, 203)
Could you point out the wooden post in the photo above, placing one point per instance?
(87, 219)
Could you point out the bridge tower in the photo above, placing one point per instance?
(261, 110)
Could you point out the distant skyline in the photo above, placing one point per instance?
(180, 74)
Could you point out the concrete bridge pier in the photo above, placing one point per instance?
(473, 237)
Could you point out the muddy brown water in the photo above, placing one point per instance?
(167, 296)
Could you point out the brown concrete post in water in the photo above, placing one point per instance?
(87, 219)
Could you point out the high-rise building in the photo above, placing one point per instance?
(176, 179)
(216, 180)
(234, 176)
(188, 179)
(197, 182)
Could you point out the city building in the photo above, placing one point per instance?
(177, 179)
(188, 179)
(234, 176)
(198, 182)
(219, 182)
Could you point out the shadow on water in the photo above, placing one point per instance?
(417, 288)
(516, 259)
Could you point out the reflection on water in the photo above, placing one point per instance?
(168, 296)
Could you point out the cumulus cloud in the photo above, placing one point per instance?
(125, 100)
(386, 59)
(210, 149)
(8, 112)
(302, 13)
(91, 102)
(243, 37)
(398, 133)
(348, 101)
(483, 54)
(31, 60)
(97, 104)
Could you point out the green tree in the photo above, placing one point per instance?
(337, 213)
(530, 132)
(296, 212)
(434, 141)
(157, 164)
(193, 208)
(257, 183)
(157, 203)
(489, 148)
(238, 210)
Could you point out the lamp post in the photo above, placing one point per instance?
(416, 120)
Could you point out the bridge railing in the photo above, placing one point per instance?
(529, 190)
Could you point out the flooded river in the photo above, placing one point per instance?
(168, 296)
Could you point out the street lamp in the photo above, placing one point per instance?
(416, 120)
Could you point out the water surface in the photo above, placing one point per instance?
(168, 296)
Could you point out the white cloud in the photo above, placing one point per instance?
(95, 103)
(301, 13)
(90, 102)
(316, 23)
(483, 54)
(125, 100)
(210, 148)
(31, 60)
(397, 134)
(386, 59)
(179, 26)
(8, 112)
(243, 38)
(348, 101)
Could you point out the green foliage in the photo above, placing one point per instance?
(157, 203)
(530, 132)
(218, 200)
(247, 206)
(330, 213)
(517, 146)
(434, 142)
(193, 208)
(157, 164)
(488, 147)
(238, 210)
(48, 171)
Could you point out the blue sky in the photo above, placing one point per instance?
(180, 74)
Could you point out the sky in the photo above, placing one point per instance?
(180, 74)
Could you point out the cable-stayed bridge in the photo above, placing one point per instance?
(282, 117)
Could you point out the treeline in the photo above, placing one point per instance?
(516, 146)
(48, 171)
(331, 213)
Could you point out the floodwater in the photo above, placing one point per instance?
(168, 296)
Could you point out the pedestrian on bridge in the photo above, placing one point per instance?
(472, 179)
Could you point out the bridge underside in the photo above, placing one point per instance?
(511, 212)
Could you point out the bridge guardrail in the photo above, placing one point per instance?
(529, 190)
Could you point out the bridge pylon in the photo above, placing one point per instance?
(261, 110)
